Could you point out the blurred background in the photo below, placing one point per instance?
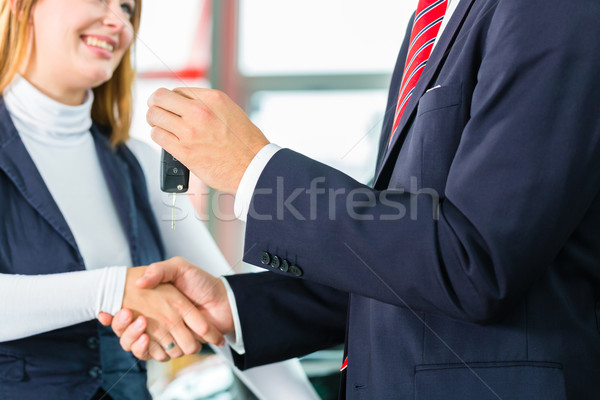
(312, 75)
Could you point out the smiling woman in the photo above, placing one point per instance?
(66, 106)
(73, 203)
(54, 53)
(90, 46)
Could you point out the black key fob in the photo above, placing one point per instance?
(174, 176)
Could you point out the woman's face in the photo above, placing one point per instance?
(77, 44)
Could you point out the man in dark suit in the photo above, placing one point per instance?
(471, 269)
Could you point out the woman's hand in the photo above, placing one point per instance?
(171, 318)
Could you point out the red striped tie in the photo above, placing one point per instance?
(428, 20)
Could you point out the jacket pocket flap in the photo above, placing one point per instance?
(440, 97)
(490, 381)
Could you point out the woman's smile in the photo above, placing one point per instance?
(103, 46)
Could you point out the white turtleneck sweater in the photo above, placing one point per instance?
(59, 140)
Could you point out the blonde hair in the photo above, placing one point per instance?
(113, 100)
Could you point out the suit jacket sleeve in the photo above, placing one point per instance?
(525, 172)
(282, 317)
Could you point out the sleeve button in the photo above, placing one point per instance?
(265, 258)
(275, 262)
(296, 271)
(285, 266)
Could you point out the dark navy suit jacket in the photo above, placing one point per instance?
(489, 289)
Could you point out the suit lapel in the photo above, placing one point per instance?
(19, 167)
(433, 64)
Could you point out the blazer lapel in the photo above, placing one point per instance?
(433, 64)
(19, 167)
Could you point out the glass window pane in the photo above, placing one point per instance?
(172, 36)
(338, 128)
(317, 36)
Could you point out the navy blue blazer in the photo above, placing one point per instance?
(69, 363)
(473, 265)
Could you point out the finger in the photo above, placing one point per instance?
(185, 339)
(154, 275)
(105, 319)
(170, 101)
(159, 117)
(164, 339)
(140, 348)
(201, 327)
(170, 346)
(133, 332)
(166, 140)
(161, 272)
(191, 93)
(156, 352)
(199, 338)
(121, 321)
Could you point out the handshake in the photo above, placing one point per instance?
(171, 308)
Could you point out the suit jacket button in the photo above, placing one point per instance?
(265, 258)
(95, 372)
(285, 266)
(92, 342)
(296, 270)
(275, 262)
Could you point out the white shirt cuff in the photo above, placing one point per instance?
(234, 339)
(112, 290)
(243, 197)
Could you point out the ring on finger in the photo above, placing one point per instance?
(170, 346)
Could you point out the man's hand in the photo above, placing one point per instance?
(204, 290)
(206, 131)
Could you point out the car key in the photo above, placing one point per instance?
(174, 178)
